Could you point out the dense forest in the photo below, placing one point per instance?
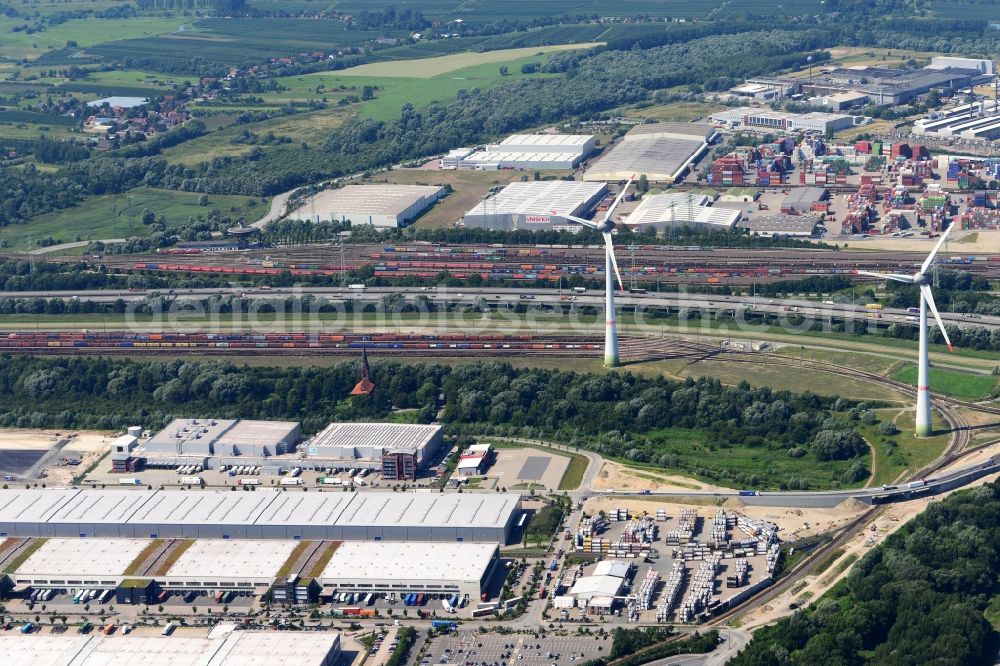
(918, 598)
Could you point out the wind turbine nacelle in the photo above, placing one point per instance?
(921, 278)
(605, 226)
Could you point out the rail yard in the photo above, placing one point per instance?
(665, 264)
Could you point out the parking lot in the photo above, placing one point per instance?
(467, 648)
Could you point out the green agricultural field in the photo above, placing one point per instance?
(426, 68)
(483, 11)
(106, 216)
(235, 41)
(393, 92)
(962, 385)
(85, 32)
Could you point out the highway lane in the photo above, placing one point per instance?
(816, 498)
(711, 303)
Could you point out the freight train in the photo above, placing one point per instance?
(107, 341)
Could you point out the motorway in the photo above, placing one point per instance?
(787, 307)
(830, 498)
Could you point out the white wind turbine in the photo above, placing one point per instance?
(922, 279)
(605, 226)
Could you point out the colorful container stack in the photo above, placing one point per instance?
(727, 171)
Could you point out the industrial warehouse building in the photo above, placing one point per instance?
(781, 121)
(536, 206)
(72, 562)
(463, 569)
(224, 438)
(781, 225)
(662, 152)
(525, 151)
(253, 566)
(380, 205)
(978, 120)
(661, 211)
(226, 648)
(984, 66)
(802, 200)
(272, 445)
(351, 442)
(340, 516)
(884, 86)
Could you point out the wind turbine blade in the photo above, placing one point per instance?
(579, 220)
(610, 248)
(925, 291)
(930, 257)
(618, 200)
(887, 276)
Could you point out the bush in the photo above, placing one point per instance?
(888, 428)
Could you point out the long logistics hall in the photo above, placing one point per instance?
(340, 516)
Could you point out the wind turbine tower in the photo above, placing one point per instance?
(605, 226)
(923, 281)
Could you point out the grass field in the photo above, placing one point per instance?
(904, 451)
(950, 382)
(781, 377)
(392, 92)
(107, 216)
(425, 68)
(702, 458)
(85, 32)
(310, 127)
(674, 111)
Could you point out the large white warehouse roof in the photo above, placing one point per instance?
(431, 562)
(224, 558)
(661, 151)
(357, 202)
(571, 143)
(555, 197)
(389, 436)
(677, 209)
(428, 509)
(262, 514)
(238, 648)
(82, 557)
